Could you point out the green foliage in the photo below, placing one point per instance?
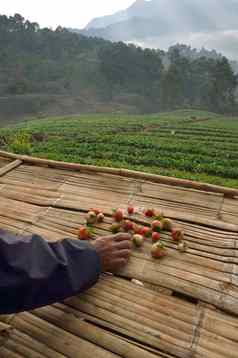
(19, 143)
(189, 144)
(43, 61)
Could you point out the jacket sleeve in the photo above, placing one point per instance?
(35, 273)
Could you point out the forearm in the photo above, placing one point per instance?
(34, 273)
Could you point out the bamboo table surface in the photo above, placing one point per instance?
(187, 305)
(4, 161)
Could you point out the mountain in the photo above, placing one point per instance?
(162, 23)
(139, 8)
(181, 14)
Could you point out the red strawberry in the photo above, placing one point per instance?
(138, 240)
(158, 250)
(127, 225)
(149, 213)
(91, 217)
(141, 231)
(84, 233)
(130, 210)
(96, 211)
(155, 236)
(177, 234)
(115, 228)
(146, 231)
(118, 215)
(100, 218)
(157, 226)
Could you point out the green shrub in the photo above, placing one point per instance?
(19, 143)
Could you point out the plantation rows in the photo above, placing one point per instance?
(173, 145)
(137, 156)
(182, 135)
(194, 151)
(163, 144)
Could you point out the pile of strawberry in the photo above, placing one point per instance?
(139, 233)
(94, 216)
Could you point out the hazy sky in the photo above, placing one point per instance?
(70, 13)
(77, 14)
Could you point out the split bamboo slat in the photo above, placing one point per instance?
(57, 339)
(26, 346)
(84, 338)
(229, 210)
(16, 215)
(124, 320)
(180, 328)
(187, 304)
(180, 199)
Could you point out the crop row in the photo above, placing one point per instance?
(171, 144)
(189, 162)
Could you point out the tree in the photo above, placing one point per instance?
(35, 60)
(223, 85)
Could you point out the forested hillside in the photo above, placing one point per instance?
(37, 61)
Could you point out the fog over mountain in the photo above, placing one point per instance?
(162, 23)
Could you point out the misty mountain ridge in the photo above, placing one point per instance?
(162, 23)
(195, 13)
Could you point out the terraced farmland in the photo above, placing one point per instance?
(187, 144)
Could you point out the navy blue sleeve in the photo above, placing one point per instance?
(35, 273)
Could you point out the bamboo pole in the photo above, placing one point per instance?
(7, 168)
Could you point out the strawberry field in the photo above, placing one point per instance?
(187, 144)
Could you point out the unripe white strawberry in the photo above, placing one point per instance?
(91, 217)
(138, 240)
(100, 218)
(167, 224)
(182, 246)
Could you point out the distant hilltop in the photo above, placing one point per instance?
(162, 23)
(174, 15)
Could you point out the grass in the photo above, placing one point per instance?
(187, 144)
